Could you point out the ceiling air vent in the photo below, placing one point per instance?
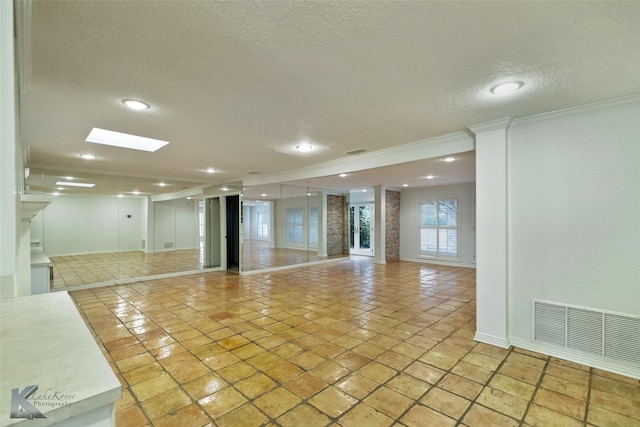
(355, 152)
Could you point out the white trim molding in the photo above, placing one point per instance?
(493, 340)
(599, 362)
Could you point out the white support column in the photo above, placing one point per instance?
(379, 218)
(492, 288)
(10, 230)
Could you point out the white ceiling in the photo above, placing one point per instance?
(236, 85)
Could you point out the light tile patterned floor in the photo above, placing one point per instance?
(348, 343)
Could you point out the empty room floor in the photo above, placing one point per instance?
(348, 343)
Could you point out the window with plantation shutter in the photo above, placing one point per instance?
(313, 227)
(438, 234)
(294, 226)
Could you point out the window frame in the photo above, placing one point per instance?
(311, 226)
(438, 255)
(294, 224)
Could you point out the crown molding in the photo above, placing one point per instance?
(499, 124)
(579, 110)
(24, 20)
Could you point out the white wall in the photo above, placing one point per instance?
(76, 225)
(362, 196)
(187, 232)
(574, 212)
(409, 221)
(131, 222)
(250, 217)
(176, 225)
(91, 224)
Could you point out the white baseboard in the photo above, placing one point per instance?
(493, 340)
(604, 363)
(7, 286)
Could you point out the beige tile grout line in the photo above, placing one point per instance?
(535, 391)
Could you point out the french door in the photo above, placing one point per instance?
(361, 229)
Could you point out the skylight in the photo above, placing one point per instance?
(124, 140)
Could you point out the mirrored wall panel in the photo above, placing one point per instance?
(286, 225)
(117, 228)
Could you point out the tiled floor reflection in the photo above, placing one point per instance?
(73, 270)
(348, 343)
(258, 255)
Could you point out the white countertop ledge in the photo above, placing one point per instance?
(45, 342)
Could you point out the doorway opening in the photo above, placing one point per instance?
(361, 229)
(233, 232)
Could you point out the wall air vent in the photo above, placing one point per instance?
(168, 245)
(355, 152)
(603, 333)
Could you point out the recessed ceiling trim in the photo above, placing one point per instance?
(458, 142)
(124, 140)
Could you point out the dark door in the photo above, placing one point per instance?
(233, 233)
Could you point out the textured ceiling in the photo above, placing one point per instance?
(236, 85)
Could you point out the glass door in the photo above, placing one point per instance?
(361, 229)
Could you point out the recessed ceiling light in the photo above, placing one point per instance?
(136, 193)
(430, 176)
(405, 185)
(124, 140)
(364, 191)
(135, 105)
(304, 147)
(342, 175)
(60, 188)
(162, 184)
(210, 170)
(121, 195)
(449, 159)
(75, 184)
(55, 193)
(505, 88)
(224, 189)
(69, 178)
(88, 156)
(263, 195)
